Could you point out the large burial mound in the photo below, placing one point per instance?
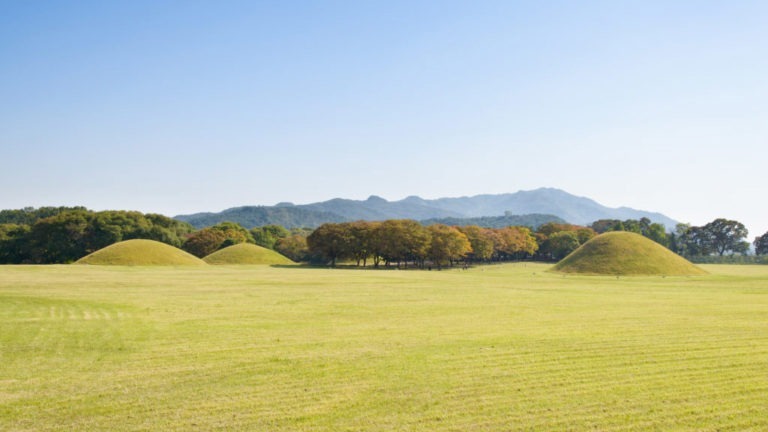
(625, 253)
(140, 252)
(246, 253)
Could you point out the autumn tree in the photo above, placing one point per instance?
(480, 240)
(208, 240)
(400, 241)
(447, 244)
(204, 242)
(515, 242)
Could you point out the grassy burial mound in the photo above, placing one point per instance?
(246, 253)
(140, 252)
(625, 253)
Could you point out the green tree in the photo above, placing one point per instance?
(658, 233)
(59, 239)
(13, 241)
(725, 235)
(761, 244)
(268, 235)
(553, 249)
(562, 243)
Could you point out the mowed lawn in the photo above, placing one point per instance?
(507, 347)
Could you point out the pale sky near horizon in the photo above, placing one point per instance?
(187, 106)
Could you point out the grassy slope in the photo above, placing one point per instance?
(246, 253)
(626, 253)
(509, 347)
(140, 252)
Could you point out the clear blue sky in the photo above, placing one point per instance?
(178, 107)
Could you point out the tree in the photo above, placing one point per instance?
(166, 230)
(204, 242)
(64, 234)
(268, 235)
(208, 240)
(515, 243)
(233, 233)
(761, 244)
(447, 244)
(553, 245)
(361, 242)
(331, 241)
(658, 233)
(400, 240)
(59, 239)
(13, 243)
(294, 247)
(480, 240)
(562, 243)
(725, 235)
(644, 226)
(605, 225)
(416, 240)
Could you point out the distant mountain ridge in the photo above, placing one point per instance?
(544, 201)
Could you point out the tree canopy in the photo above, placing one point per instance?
(70, 233)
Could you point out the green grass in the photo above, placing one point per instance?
(508, 347)
(139, 253)
(246, 253)
(625, 254)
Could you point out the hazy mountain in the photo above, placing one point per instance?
(544, 201)
(253, 216)
(377, 208)
(572, 208)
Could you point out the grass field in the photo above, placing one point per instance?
(508, 347)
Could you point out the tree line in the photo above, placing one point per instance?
(57, 235)
(65, 234)
(52, 235)
(719, 237)
(406, 242)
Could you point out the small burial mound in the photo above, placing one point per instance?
(246, 253)
(139, 253)
(625, 254)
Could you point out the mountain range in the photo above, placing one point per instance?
(540, 204)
